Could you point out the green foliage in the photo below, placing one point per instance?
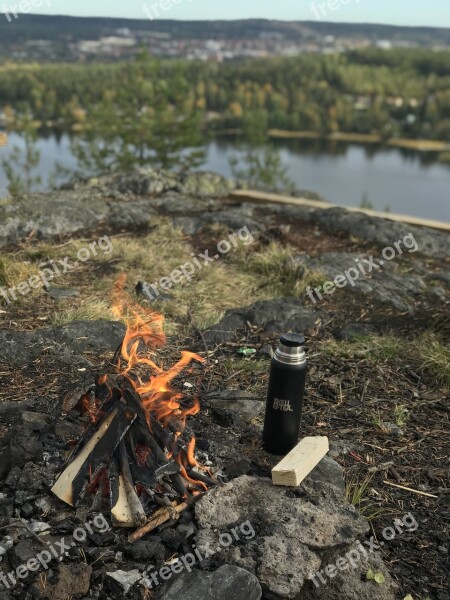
(21, 163)
(365, 202)
(365, 92)
(147, 120)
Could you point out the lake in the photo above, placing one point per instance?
(404, 181)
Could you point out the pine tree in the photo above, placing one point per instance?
(150, 120)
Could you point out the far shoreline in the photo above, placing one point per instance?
(421, 145)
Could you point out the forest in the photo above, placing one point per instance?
(396, 93)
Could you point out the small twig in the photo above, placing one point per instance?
(408, 489)
(200, 333)
(366, 383)
(162, 515)
(234, 375)
(19, 523)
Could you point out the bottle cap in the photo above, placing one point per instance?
(291, 349)
(292, 340)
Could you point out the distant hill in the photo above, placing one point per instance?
(64, 29)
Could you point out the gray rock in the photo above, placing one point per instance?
(173, 203)
(205, 183)
(350, 583)
(66, 342)
(238, 467)
(329, 471)
(9, 408)
(292, 527)
(122, 581)
(246, 405)
(24, 447)
(382, 232)
(274, 316)
(60, 293)
(144, 182)
(148, 181)
(143, 550)
(226, 583)
(234, 218)
(188, 225)
(386, 283)
(29, 548)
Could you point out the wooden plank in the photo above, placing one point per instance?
(300, 461)
(3, 139)
(254, 196)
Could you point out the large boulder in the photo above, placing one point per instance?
(285, 536)
(274, 316)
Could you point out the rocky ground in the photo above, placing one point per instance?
(378, 386)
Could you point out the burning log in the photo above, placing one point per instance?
(136, 447)
(161, 516)
(134, 503)
(121, 512)
(93, 455)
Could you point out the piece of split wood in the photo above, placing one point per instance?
(300, 461)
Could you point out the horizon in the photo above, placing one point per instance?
(231, 20)
(403, 13)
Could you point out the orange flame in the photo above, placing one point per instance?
(144, 335)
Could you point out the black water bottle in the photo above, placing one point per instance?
(285, 395)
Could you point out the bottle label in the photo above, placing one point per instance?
(284, 405)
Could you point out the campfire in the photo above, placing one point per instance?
(136, 447)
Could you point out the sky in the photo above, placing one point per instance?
(395, 12)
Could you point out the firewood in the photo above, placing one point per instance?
(134, 503)
(201, 477)
(162, 515)
(121, 512)
(93, 453)
(300, 461)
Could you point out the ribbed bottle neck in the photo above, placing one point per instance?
(290, 355)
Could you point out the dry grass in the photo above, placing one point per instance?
(371, 347)
(427, 352)
(245, 275)
(273, 270)
(89, 310)
(434, 357)
(15, 269)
